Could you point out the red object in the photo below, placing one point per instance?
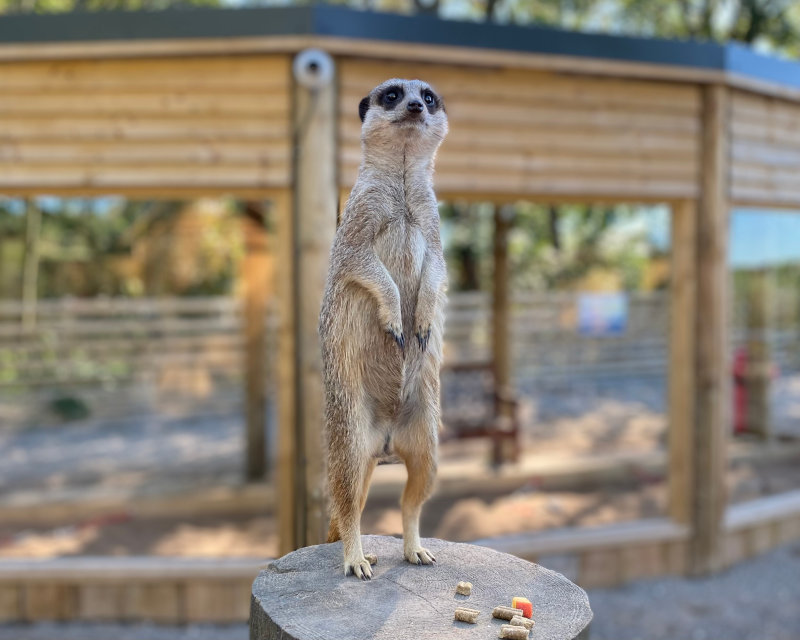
(524, 604)
(740, 390)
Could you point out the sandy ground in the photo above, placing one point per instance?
(756, 600)
(144, 455)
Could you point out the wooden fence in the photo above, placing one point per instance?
(183, 355)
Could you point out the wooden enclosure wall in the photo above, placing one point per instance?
(765, 150)
(526, 132)
(157, 124)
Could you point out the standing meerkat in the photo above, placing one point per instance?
(382, 317)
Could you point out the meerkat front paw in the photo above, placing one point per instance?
(423, 335)
(396, 332)
(359, 568)
(419, 555)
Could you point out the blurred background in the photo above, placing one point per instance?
(140, 329)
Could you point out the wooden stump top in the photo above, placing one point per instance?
(305, 595)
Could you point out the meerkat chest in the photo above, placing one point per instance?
(401, 246)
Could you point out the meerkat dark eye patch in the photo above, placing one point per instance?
(431, 100)
(391, 97)
(363, 107)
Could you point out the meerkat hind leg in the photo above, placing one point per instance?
(420, 463)
(346, 475)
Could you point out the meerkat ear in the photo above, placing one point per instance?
(363, 107)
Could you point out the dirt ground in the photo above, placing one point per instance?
(137, 457)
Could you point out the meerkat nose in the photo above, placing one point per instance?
(415, 106)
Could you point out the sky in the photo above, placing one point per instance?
(764, 238)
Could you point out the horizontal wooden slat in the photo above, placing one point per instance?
(247, 152)
(137, 104)
(146, 124)
(119, 176)
(147, 74)
(765, 150)
(532, 133)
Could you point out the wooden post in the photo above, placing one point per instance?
(758, 374)
(286, 378)
(713, 386)
(257, 284)
(501, 352)
(30, 267)
(682, 361)
(503, 448)
(315, 200)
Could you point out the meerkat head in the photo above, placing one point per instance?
(407, 109)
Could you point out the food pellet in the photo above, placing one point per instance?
(506, 613)
(513, 633)
(524, 604)
(467, 615)
(371, 558)
(519, 621)
(464, 588)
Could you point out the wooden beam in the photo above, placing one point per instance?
(286, 494)
(30, 267)
(257, 285)
(314, 225)
(712, 381)
(501, 343)
(681, 360)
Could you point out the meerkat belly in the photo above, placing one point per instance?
(401, 247)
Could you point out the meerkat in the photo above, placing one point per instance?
(382, 317)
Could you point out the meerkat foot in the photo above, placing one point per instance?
(359, 568)
(371, 558)
(423, 335)
(419, 555)
(397, 334)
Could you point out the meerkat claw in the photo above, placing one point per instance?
(398, 337)
(422, 338)
(360, 570)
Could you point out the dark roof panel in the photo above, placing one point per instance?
(327, 20)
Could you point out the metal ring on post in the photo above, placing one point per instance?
(313, 69)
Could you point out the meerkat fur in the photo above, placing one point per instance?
(382, 317)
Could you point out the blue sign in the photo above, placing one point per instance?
(602, 314)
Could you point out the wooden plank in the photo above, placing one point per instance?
(152, 175)
(681, 383)
(43, 601)
(199, 102)
(216, 72)
(770, 508)
(120, 128)
(642, 561)
(713, 394)
(761, 538)
(570, 540)
(286, 372)
(10, 602)
(676, 560)
(218, 602)
(599, 568)
(135, 152)
(257, 279)
(160, 602)
(102, 602)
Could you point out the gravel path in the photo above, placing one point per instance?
(757, 600)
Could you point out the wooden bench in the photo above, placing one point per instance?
(473, 406)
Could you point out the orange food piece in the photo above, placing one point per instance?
(524, 604)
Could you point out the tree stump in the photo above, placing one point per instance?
(306, 596)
